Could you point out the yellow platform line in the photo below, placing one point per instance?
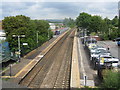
(7, 76)
(45, 50)
(18, 72)
(23, 69)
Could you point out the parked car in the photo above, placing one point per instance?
(99, 60)
(107, 61)
(94, 54)
(118, 41)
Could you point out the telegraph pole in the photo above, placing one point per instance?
(19, 49)
(37, 39)
(19, 46)
(48, 34)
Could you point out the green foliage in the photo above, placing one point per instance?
(22, 25)
(69, 22)
(6, 79)
(95, 24)
(83, 20)
(111, 79)
(93, 34)
(115, 21)
(105, 28)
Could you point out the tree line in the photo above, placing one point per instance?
(69, 22)
(96, 25)
(34, 30)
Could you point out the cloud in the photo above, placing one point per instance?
(104, 9)
(60, 0)
(58, 10)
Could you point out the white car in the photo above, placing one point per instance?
(94, 54)
(92, 50)
(91, 45)
(99, 47)
(107, 60)
(114, 61)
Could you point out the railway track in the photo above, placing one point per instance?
(53, 70)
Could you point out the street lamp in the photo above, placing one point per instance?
(37, 38)
(48, 33)
(85, 35)
(19, 50)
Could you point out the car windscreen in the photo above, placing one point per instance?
(103, 51)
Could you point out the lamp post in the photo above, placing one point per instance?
(85, 35)
(37, 38)
(10, 70)
(48, 34)
(19, 49)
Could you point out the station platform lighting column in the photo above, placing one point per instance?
(19, 49)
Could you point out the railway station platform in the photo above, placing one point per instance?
(21, 69)
(75, 77)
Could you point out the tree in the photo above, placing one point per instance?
(83, 20)
(108, 21)
(105, 28)
(115, 21)
(19, 25)
(15, 26)
(69, 22)
(95, 24)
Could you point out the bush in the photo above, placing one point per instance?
(111, 79)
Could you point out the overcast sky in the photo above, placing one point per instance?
(58, 10)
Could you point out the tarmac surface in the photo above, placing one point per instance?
(113, 47)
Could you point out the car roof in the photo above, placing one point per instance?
(113, 59)
(105, 55)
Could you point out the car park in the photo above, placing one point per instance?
(114, 61)
(100, 55)
(107, 61)
(99, 61)
(101, 47)
(102, 51)
(94, 54)
(117, 40)
(93, 49)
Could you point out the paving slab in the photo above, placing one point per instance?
(75, 79)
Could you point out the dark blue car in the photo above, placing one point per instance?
(118, 41)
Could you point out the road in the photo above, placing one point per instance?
(113, 48)
(53, 71)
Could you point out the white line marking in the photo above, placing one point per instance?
(81, 58)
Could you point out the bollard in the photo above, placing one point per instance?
(10, 69)
(85, 80)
